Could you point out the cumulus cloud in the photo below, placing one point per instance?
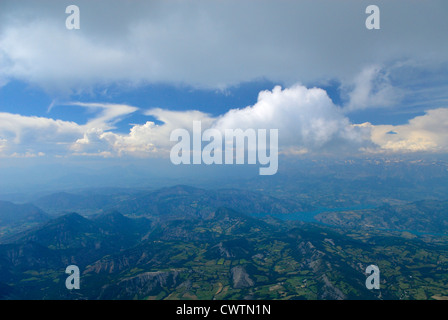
(307, 120)
(23, 129)
(33, 135)
(25, 135)
(426, 133)
(143, 140)
(27, 154)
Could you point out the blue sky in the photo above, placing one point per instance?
(114, 89)
(30, 100)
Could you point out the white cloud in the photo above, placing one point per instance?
(3, 145)
(110, 114)
(22, 129)
(22, 136)
(427, 133)
(27, 154)
(306, 118)
(371, 88)
(307, 121)
(30, 134)
(144, 140)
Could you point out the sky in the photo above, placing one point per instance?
(114, 89)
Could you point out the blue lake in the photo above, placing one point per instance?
(310, 217)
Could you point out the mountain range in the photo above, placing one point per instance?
(173, 244)
(169, 201)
